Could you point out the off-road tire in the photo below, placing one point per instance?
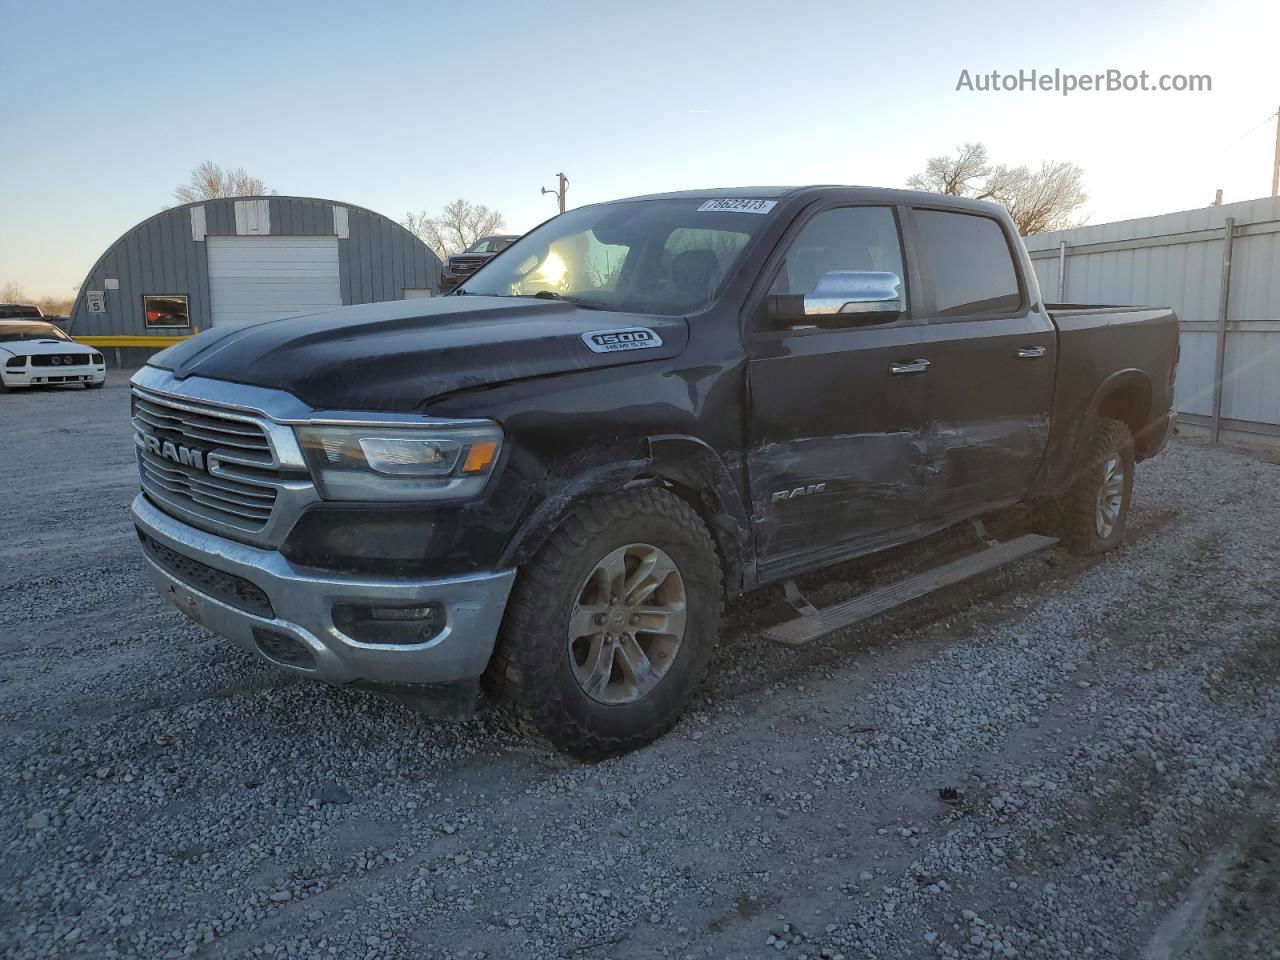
(1075, 511)
(530, 669)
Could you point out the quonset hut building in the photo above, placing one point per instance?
(236, 261)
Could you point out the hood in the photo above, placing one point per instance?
(394, 357)
(28, 348)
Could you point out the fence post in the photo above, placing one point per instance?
(1220, 354)
(1062, 271)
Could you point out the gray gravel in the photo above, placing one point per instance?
(1065, 759)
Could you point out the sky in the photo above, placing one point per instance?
(106, 107)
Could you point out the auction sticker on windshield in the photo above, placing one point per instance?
(737, 206)
(628, 338)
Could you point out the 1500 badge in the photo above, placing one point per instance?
(627, 338)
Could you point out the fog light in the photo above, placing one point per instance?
(391, 625)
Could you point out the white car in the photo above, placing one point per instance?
(32, 351)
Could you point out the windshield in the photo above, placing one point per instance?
(643, 256)
(490, 245)
(31, 331)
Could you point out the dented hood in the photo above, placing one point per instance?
(396, 356)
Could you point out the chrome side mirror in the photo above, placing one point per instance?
(842, 298)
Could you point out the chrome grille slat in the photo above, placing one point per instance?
(179, 480)
(240, 480)
(236, 493)
(213, 503)
(207, 423)
(185, 412)
(180, 505)
(198, 433)
(244, 432)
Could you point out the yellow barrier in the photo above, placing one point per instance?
(130, 341)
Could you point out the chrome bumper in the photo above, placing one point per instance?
(302, 604)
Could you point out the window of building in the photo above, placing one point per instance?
(166, 310)
(966, 264)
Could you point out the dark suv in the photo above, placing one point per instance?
(461, 265)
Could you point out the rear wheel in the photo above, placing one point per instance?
(612, 626)
(1092, 514)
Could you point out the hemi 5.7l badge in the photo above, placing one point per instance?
(628, 338)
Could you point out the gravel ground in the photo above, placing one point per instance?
(1065, 759)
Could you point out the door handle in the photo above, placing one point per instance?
(1031, 353)
(909, 366)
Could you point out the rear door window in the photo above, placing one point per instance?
(966, 264)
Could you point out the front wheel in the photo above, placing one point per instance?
(612, 626)
(1094, 510)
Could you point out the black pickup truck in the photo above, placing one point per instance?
(553, 479)
(459, 266)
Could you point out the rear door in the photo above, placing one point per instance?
(835, 460)
(992, 353)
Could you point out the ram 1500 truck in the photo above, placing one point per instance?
(553, 479)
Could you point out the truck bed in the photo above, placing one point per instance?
(1126, 353)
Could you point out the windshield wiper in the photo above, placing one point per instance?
(584, 304)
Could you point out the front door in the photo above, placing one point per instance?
(836, 461)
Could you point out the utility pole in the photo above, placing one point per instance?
(1275, 166)
(564, 187)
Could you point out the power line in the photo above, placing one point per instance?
(1267, 119)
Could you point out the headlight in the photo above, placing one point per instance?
(15, 362)
(398, 462)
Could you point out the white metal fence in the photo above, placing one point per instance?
(1219, 268)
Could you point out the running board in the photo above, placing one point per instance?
(810, 626)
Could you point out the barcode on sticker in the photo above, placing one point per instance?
(737, 206)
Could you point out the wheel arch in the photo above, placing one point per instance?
(687, 466)
(1125, 395)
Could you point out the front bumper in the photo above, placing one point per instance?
(298, 608)
(30, 376)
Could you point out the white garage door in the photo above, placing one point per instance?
(262, 278)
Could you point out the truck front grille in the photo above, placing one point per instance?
(197, 460)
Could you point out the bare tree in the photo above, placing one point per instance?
(458, 226)
(954, 175)
(1038, 200)
(210, 182)
(1044, 199)
(13, 293)
(55, 306)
